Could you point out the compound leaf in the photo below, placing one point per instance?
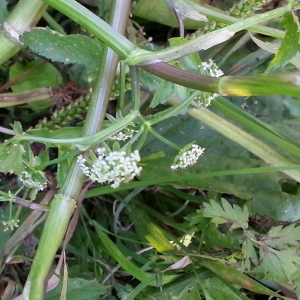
(234, 216)
(282, 238)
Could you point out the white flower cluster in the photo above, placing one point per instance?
(123, 135)
(111, 167)
(188, 156)
(33, 178)
(210, 69)
(10, 224)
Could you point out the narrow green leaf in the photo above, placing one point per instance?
(149, 230)
(115, 252)
(233, 276)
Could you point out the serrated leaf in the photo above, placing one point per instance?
(250, 255)
(289, 46)
(71, 49)
(234, 216)
(163, 93)
(276, 266)
(281, 238)
(11, 159)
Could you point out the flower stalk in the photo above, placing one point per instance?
(63, 205)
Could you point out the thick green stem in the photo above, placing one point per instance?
(287, 84)
(25, 15)
(63, 207)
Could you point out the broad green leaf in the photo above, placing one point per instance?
(45, 75)
(71, 49)
(221, 154)
(191, 291)
(290, 44)
(163, 94)
(11, 159)
(233, 215)
(79, 288)
(280, 237)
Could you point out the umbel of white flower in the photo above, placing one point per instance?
(211, 69)
(188, 156)
(33, 178)
(112, 167)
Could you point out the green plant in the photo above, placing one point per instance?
(189, 255)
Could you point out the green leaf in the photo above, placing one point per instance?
(249, 253)
(278, 266)
(234, 216)
(146, 228)
(11, 159)
(78, 288)
(217, 290)
(45, 75)
(3, 11)
(71, 49)
(221, 154)
(235, 277)
(294, 107)
(191, 291)
(281, 238)
(163, 94)
(290, 44)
